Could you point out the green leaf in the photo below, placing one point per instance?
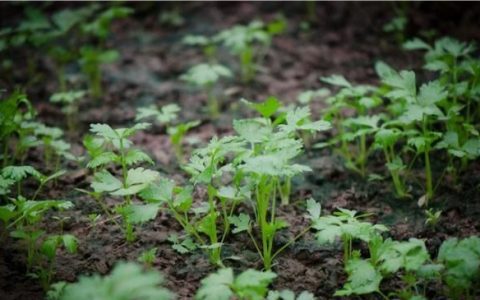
(252, 130)
(314, 209)
(216, 286)
(337, 80)
(253, 284)
(103, 181)
(363, 278)
(266, 108)
(139, 213)
(18, 173)
(137, 180)
(103, 159)
(241, 222)
(70, 242)
(203, 75)
(135, 156)
(416, 44)
(161, 191)
(126, 281)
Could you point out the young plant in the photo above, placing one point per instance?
(148, 257)
(167, 116)
(346, 225)
(206, 76)
(250, 43)
(69, 100)
(91, 61)
(288, 294)
(387, 139)
(113, 147)
(48, 251)
(418, 110)
(353, 131)
(22, 219)
(126, 281)
(459, 74)
(95, 55)
(208, 45)
(11, 119)
(206, 167)
(223, 285)
(432, 217)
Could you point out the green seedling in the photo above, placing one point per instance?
(177, 134)
(265, 166)
(206, 76)
(207, 44)
(12, 175)
(62, 38)
(22, 218)
(250, 43)
(459, 74)
(344, 224)
(99, 27)
(48, 251)
(113, 147)
(432, 217)
(126, 281)
(91, 61)
(206, 168)
(387, 139)
(353, 132)
(69, 101)
(420, 109)
(397, 26)
(148, 257)
(11, 119)
(167, 116)
(223, 285)
(172, 18)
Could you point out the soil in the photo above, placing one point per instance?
(346, 38)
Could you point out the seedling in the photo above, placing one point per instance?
(250, 43)
(418, 112)
(48, 251)
(148, 257)
(22, 218)
(432, 217)
(208, 45)
(167, 116)
(171, 18)
(11, 118)
(91, 61)
(353, 132)
(386, 139)
(346, 225)
(114, 148)
(206, 76)
(69, 100)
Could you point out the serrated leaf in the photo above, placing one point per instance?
(241, 222)
(135, 156)
(337, 80)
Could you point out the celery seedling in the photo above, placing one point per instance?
(206, 76)
(114, 148)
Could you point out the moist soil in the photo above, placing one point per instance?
(345, 38)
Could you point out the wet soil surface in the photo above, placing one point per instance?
(347, 38)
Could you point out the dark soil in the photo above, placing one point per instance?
(347, 39)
